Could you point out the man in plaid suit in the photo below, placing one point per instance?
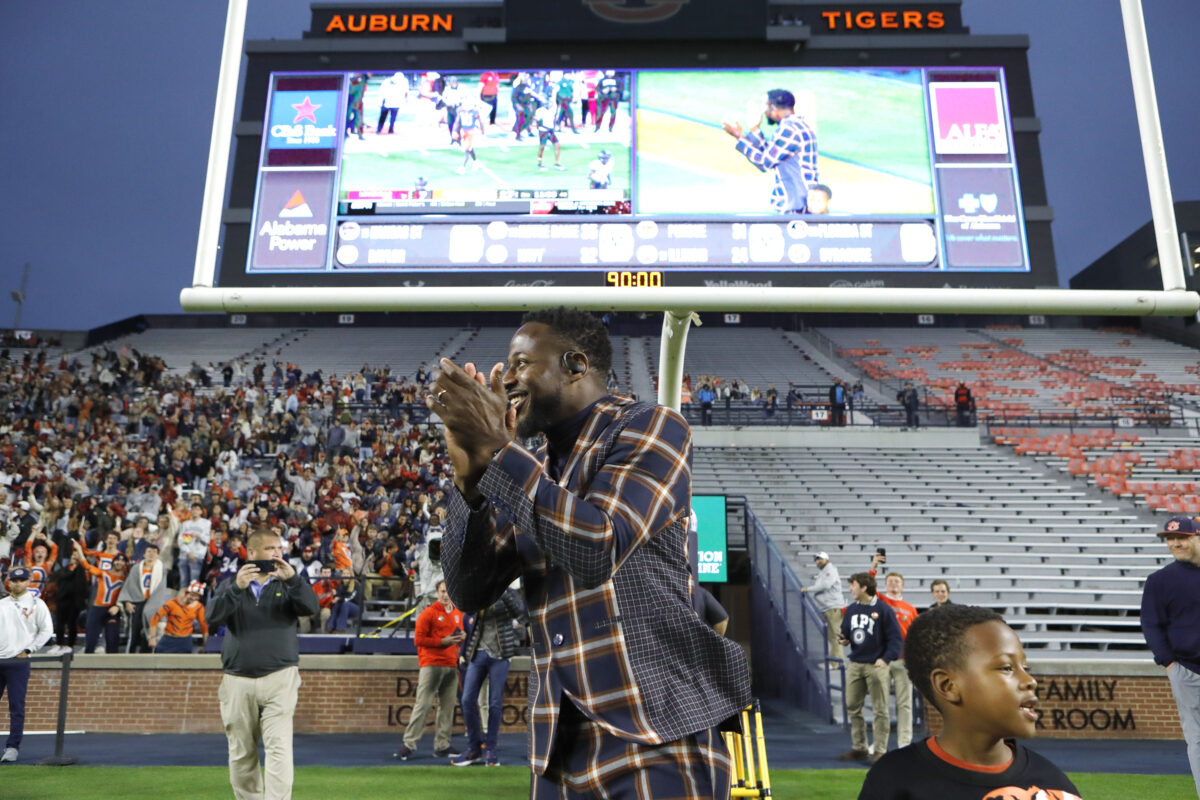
(791, 154)
(627, 683)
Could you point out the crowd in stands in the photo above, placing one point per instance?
(115, 470)
(707, 391)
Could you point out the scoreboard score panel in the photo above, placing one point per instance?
(626, 178)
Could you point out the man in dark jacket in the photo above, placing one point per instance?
(871, 630)
(1171, 625)
(260, 610)
(911, 401)
(837, 403)
(964, 404)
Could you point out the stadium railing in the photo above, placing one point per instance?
(1151, 415)
(791, 648)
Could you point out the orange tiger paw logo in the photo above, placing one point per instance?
(1032, 793)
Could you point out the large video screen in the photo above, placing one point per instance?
(641, 176)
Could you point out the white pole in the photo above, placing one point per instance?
(1146, 102)
(671, 350)
(218, 146)
(696, 298)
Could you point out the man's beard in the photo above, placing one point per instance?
(542, 413)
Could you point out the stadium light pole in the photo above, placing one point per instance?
(218, 146)
(1162, 209)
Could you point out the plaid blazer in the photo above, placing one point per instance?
(603, 557)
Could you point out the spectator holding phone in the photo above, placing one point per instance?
(439, 632)
(261, 656)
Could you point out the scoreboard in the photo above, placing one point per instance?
(569, 164)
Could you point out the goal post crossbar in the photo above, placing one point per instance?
(1084, 302)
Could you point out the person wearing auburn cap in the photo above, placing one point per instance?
(1171, 625)
(25, 626)
(826, 592)
(182, 617)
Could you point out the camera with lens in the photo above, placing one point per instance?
(433, 547)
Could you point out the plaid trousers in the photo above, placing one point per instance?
(589, 762)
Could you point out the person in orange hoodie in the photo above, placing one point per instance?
(340, 552)
(439, 632)
(182, 618)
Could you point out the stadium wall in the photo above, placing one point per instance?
(178, 694)
(1100, 701)
(374, 694)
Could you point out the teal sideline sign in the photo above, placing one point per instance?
(711, 541)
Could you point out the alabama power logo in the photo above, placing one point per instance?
(635, 11)
(968, 118)
(296, 207)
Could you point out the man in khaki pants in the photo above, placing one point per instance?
(873, 634)
(438, 634)
(260, 609)
(826, 593)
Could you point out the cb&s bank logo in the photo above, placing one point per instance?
(303, 120)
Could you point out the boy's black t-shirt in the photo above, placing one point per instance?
(915, 772)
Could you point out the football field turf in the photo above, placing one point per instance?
(476, 783)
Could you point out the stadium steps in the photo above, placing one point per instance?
(1005, 531)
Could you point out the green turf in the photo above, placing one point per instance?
(476, 783)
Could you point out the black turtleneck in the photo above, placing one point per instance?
(560, 439)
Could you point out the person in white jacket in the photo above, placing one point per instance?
(826, 592)
(25, 626)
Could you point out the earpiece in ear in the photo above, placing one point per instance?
(571, 366)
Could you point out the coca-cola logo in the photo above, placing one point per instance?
(635, 11)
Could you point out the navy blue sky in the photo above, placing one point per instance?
(107, 116)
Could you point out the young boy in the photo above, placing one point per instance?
(970, 665)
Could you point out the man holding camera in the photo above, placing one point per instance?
(438, 633)
(260, 608)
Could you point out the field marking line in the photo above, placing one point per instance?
(488, 171)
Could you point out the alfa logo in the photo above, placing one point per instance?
(635, 11)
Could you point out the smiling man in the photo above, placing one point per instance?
(1171, 625)
(628, 684)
